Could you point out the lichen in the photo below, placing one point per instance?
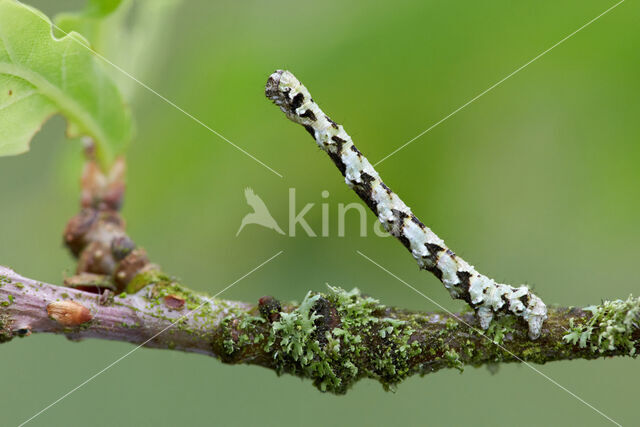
(240, 331)
(339, 337)
(500, 328)
(5, 328)
(610, 327)
(453, 360)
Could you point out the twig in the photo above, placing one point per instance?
(462, 281)
(334, 338)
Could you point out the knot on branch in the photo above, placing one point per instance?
(107, 257)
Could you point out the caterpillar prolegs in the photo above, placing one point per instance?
(486, 296)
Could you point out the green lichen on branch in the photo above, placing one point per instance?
(328, 336)
(500, 328)
(333, 338)
(339, 337)
(611, 326)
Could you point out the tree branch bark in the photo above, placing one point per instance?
(333, 338)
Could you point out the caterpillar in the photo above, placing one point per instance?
(487, 297)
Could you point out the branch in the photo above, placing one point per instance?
(333, 338)
(483, 294)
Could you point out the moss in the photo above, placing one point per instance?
(451, 324)
(531, 354)
(19, 285)
(146, 278)
(165, 286)
(10, 300)
(468, 351)
(129, 325)
(610, 327)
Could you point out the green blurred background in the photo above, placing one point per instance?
(536, 182)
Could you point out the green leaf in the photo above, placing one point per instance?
(88, 22)
(41, 75)
(132, 33)
(101, 8)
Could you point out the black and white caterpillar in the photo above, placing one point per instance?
(486, 296)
